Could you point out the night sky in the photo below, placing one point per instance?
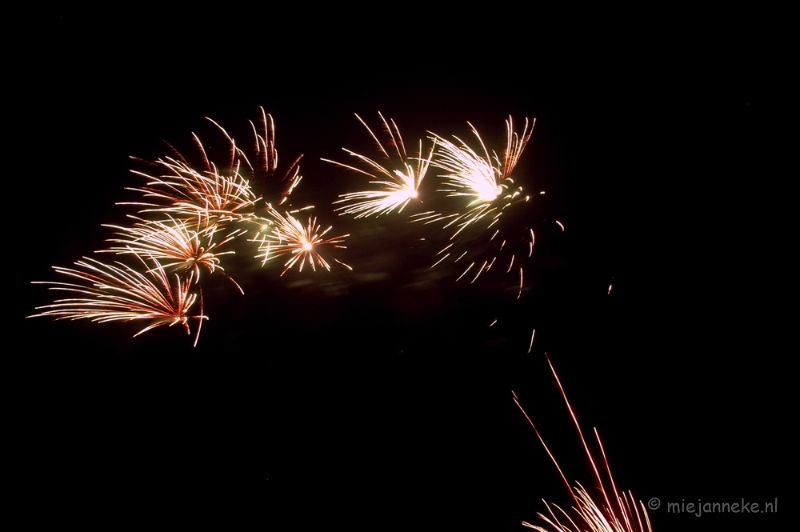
(381, 397)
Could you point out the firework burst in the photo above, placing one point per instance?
(268, 155)
(481, 180)
(610, 512)
(215, 194)
(186, 193)
(397, 180)
(117, 292)
(283, 234)
(175, 244)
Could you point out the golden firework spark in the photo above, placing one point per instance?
(482, 178)
(186, 193)
(398, 180)
(611, 512)
(283, 234)
(216, 194)
(265, 150)
(175, 244)
(117, 292)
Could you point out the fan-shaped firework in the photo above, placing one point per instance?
(117, 292)
(482, 179)
(283, 234)
(176, 244)
(192, 213)
(186, 193)
(611, 512)
(397, 180)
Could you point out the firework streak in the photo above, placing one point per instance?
(611, 512)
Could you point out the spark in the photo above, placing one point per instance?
(117, 292)
(284, 234)
(175, 244)
(480, 177)
(186, 193)
(484, 179)
(265, 149)
(612, 512)
(397, 180)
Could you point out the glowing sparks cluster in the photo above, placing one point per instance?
(283, 234)
(175, 243)
(192, 214)
(482, 179)
(189, 216)
(612, 511)
(475, 189)
(397, 180)
(117, 292)
(187, 193)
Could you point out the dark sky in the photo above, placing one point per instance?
(381, 396)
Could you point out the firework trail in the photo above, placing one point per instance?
(611, 512)
(397, 180)
(117, 292)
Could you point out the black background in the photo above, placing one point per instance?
(381, 398)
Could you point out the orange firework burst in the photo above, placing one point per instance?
(117, 292)
(398, 179)
(611, 512)
(285, 234)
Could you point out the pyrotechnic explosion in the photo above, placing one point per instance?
(177, 244)
(188, 214)
(397, 180)
(196, 213)
(193, 212)
(285, 234)
(481, 181)
(120, 293)
(612, 511)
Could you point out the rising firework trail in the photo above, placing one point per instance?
(611, 511)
